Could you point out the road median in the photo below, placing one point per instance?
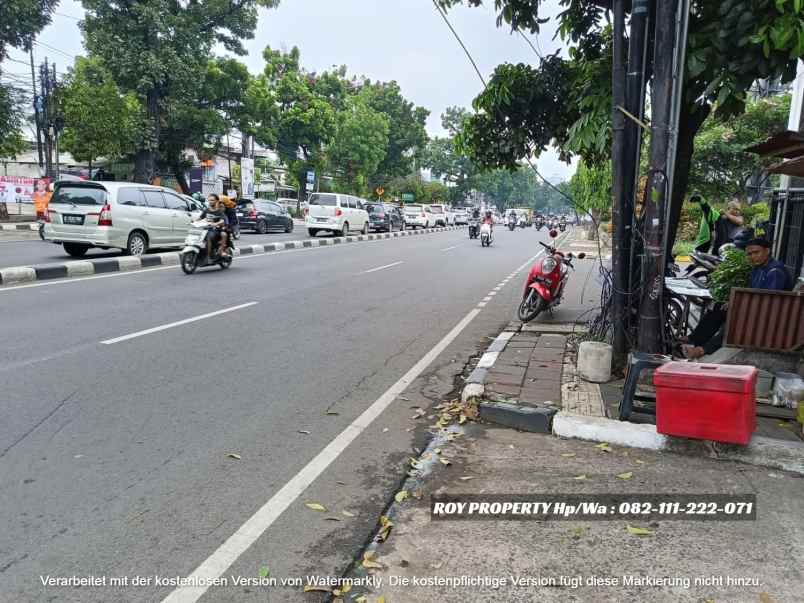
(16, 275)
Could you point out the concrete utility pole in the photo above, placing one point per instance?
(650, 337)
(37, 103)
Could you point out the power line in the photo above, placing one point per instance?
(66, 15)
(457, 37)
(468, 54)
(54, 49)
(527, 39)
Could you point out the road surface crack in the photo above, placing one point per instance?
(35, 427)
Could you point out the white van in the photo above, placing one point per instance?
(116, 215)
(336, 213)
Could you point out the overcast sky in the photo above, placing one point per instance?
(402, 40)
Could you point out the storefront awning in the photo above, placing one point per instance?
(786, 145)
(793, 167)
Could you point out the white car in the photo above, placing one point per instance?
(336, 213)
(116, 215)
(461, 217)
(418, 216)
(441, 214)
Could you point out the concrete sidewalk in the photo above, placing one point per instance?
(735, 561)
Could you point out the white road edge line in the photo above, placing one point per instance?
(382, 267)
(451, 248)
(239, 542)
(176, 324)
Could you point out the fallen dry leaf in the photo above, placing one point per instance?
(568, 455)
(308, 588)
(640, 462)
(604, 446)
(304, 431)
(332, 412)
(437, 450)
(466, 478)
(368, 561)
(580, 477)
(315, 506)
(385, 429)
(332, 518)
(626, 475)
(639, 531)
(348, 514)
(401, 495)
(341, 483)
(361, 599)
(381, 599)
(342, 590)
(765, 598)
(445, 461)
(385, 528)
(234, 455)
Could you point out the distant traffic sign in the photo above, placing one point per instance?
(408, 197)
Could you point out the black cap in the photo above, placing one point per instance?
(760, 243)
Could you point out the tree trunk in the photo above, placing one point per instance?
(145, 158)
(593, 235)
(90, 169)
(181, 178)
(690, 121)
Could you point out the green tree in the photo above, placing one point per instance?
(590, 189)
(99, 120)
(720, 168)
(20, 21)
(406, 134)
(731, 44)
(159, 50)
(359, 145)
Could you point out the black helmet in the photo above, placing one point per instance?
(742, 238)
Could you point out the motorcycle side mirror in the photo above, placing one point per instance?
(553, 234)
(581, 255)
(570, 256)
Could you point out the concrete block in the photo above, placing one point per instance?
(472, 392)
(598, 429)
(128, 263)
(524, 418)
(82, 268)
(18, 274)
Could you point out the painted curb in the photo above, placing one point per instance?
(20, 226)
(26, 274)
(761, 451)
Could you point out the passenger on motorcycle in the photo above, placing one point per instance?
(216, 216)
(489, 219)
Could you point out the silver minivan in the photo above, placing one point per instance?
(336, 213)
(116, 215)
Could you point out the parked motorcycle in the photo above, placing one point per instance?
(546, 280)
(486, 237)
(194, 255)
(474, 228)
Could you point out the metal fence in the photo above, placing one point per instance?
(787, 217)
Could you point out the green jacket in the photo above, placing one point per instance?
(708, 219)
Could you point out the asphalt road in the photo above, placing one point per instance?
(114, 456)
(27, 249)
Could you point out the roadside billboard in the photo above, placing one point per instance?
(247, 178)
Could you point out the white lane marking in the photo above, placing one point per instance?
(492, 293)
(174, 266)
(481, 304)
(487, 298)
(498, 287)
(451, 248)
(176, 324)
(382, 267)
(254, 527)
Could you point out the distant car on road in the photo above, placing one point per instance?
(263, 217)
(116, 215)
(385, 217)
(461, 217)
(440, 213)
(336, 213)
(418, 216)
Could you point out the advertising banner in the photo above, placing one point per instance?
(247, 178)
(18, 189)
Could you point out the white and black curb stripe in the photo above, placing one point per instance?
(20, 226)
(26, 274)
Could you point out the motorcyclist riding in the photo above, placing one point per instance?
(489, 219)
(216, 216)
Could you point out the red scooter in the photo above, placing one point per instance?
(546, 280)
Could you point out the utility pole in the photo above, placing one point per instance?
(650, 312)
(44, 82)
(56, 121)
(620, 216)
(37, 103)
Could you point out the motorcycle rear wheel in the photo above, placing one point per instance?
(532, 305)
(225, 262)
(189, 262)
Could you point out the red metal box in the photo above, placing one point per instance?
(706, 401)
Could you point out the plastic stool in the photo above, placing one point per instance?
(638, 362)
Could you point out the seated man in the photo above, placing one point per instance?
(216, 215)
(766, 274)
